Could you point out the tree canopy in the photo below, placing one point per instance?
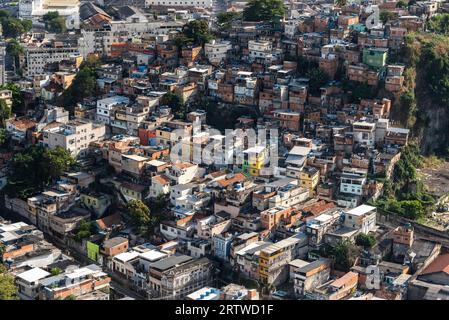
(17, 97)
(345, 254)
(196, 32)
(264, 10)
(139, 212)
(439, 23)
(176, 103)
(317, 79)
(54, 22)
(365, 240)
(84, 85)
(225, 19)
(5, 113)
(13, 27)
(35, 167)
(8, 289)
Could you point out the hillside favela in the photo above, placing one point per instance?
(259, 150)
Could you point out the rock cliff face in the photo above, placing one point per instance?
(424, 105)
(434, 137)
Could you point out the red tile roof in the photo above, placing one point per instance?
(440, 264)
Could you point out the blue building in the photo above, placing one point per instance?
(222, 245)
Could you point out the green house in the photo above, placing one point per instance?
(375, 57)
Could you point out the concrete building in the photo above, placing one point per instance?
(216, 51)
(173, 3)
(362, 218)
(74, 136)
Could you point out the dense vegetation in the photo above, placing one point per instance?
(84, 85)
(404, 195)
(225, 19)
(84, 231)
(426, 85)
(8, 288)
(34, 168)
(264, 10)
(13, 27)
(54, 22)
(195, 32)
(439, 24)
(17, 97)
(365, 240)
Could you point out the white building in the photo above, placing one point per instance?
(352, 181)
(259, 49)
(28, 283)
(74, 136)
(185, 3)
(216, 51)
(364, 133)
(105, 107)
(362, 218)
(37, 58)
(35, 9)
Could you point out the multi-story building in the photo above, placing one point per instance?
(216, 51)
(362, 218)
(364, 132)
(259, 50)
(105, 107)
(38, 57)
(176, 277)
(274, 259)
(311, 275)
(173, 3)
(76, 282)
(309, 177)
(352, 181)
(74, 136)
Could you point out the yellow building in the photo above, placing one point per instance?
(274, 259)
(254, 160)
(309, 178)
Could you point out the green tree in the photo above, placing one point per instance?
(175, 102)
(84, 230)
(225, 19)
(139, 212)
(13, 27)
(198, 31)
(345, 254)
(70, 297)
(401, 4)
(8, 289)
(17, 97)
(84, 85)
(2, 251)
(317, 79)
(365, 240)
(264, 10)
(54, 22)
(386, 16)
(439, 24)
(5, 113)
(14, 49)
(35, 167)
(412, 209)
(55, 271)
